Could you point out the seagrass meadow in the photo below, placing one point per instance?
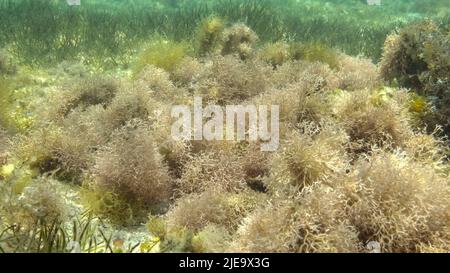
(88, 162)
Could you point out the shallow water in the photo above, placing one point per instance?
(356, 96)
(112, 29)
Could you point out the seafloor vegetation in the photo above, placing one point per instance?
(88, 163)
(105, 32)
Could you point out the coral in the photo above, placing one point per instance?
(239, 39)
(162, 54)
(209, 35)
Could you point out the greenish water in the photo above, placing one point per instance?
(89, 163)
(107, 32)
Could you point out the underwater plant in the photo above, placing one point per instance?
(372, 119)
(366, 205)
(239, 39)
(299, 102)
(41, 202)
(161, 53)
(389, 183)
(130, 103)
(311, 77)
(418, 57)
(105, 34)
(403, 57)
(309, 155)
(219, 171)
(221, 211)
(111, 206)
(28, 210)
(230, 79)
(88, 161)
(275, 53)
(357, 73)
(4, 147)
(209, 35)
(211, 239)
(188, 73)
(7, 67)
(5, 102)
(82, 235)
(314, 52)
(157, 83)
(94, 90)
(130, 166)
(64, 151)
(312, 222)
(210, 207)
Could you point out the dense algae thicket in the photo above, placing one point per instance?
(88, 163)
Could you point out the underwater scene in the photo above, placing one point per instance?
(224, 126)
